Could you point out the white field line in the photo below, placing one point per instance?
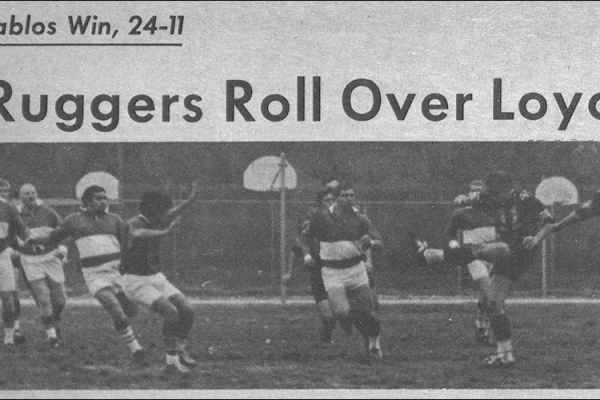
(243, 301)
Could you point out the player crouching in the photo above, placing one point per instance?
(143, 282)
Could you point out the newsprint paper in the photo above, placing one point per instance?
(401, 81)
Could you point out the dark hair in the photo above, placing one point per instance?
(154, 203)
(89, 193)
(324, 192)
(497, 179)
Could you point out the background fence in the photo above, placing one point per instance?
(232, 248)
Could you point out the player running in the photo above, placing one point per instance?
(100, 238)
(325, 198)
(144, 283)
(43, 264)
(11, 226)
(344, 235)
(517, 219)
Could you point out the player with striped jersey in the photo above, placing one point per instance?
(43, 264)
(11, 226)
(100, 238)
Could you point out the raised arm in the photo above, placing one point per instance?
(181, 208)
(138, 232)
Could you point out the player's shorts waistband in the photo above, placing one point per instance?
(344, 264)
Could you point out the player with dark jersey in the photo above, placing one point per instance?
(11, 227)
(518, 217)
(144, 282)
(588, 210)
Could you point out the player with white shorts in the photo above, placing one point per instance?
(11, 226)
(43, 264)
(144, 283)
(100, 237)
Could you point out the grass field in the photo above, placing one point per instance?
(276, 347)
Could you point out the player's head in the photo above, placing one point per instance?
(155, 204)
(346, 197)
(327, 196)
(499, 184)
(476, 186)
(94, 199)
(28, 194)
(4, 189)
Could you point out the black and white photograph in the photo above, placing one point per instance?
(299, 199)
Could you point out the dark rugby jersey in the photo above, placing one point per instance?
(11, 225)
(99, 238)
(520, 216)
(142, 257)
(337, 233)
(39, 217)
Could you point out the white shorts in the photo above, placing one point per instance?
(147, 289)
(479, 269)
(42, 266)
(8, 282)
(98, 278)
(349, 278)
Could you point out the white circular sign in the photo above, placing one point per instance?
(557, 190)
(100, 178)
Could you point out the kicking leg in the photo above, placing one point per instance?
(364, 318)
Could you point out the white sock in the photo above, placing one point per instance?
(9, 335)
(51, 333)
(17, 325)
(505, 346)
(181, 343)
(172, 359)
(128, 337)
(374, 342)
(434, 256)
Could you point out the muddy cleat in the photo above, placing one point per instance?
(140, 358)
(374, 354)
(19, 338)
(54, 343)
(418, 247)
(187, 361)
(505, 359)
(176, 369)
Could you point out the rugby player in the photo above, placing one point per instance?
(590, 209)
(43, 264)
(518, 217)
(325, 198)
(144, 283)
(11, 226)
(344, 235)
(100, 238)
(470, 225)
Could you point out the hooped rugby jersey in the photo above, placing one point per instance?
(475, 224)
(98, 238)
(11, 225)
(338, 233)
(518, 217)
(38, 218)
